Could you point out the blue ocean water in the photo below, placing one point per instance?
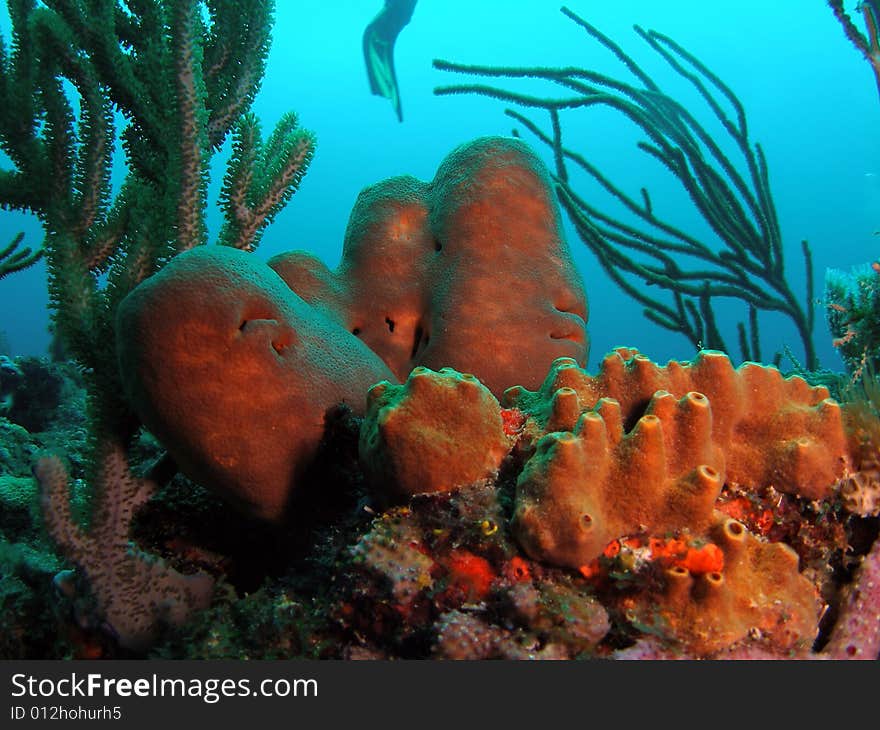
(811, 100)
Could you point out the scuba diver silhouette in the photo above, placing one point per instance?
(379, 38)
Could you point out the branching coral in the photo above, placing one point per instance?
(737, 205)
(182, 75)
(853, 311)
(136, 592)
(14, 259)
(868, 46)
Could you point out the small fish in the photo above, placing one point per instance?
(379, 38)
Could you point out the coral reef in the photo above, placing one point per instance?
(753, 572)
(442, 577)
(686, 510)
(633, 497)
(639, 452)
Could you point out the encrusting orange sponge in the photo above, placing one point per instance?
(758, 592)
(436, 432)
(584, 488)
(770, 430)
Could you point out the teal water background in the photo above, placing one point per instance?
(811, 100)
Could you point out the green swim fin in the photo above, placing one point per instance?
(379, 38)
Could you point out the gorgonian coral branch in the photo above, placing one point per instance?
(14, 259)
(868, 46)
(234, 61)
(137, 592)
(262, 178)
(192, 142)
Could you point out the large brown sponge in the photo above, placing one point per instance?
(469, 271)
(233, 372)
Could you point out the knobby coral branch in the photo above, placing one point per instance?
(735, 201)
(14, 259)
(261, 178)
(137, 592)
(868, 46)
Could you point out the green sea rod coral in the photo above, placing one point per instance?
(14, 259)
(177, 77)
(868, 44)
(644, 253)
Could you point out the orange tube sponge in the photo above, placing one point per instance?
(428, 269)
(771, 430)
(233, 372)
(584, 488)
(758, 592)
(438, 431)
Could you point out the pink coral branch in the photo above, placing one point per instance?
(191, 200)
(136, 592)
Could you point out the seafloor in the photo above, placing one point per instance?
(437, 576)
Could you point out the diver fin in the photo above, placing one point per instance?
(379, 38)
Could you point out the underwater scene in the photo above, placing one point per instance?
(422, 329)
